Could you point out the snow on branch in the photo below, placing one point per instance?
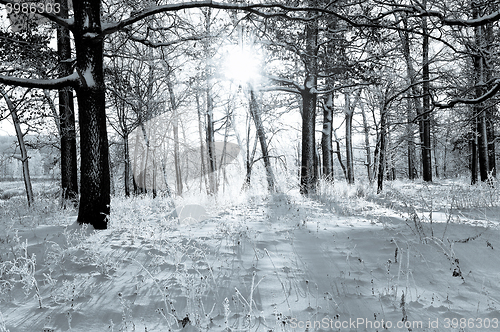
(489, 94)
(273, 10)
(422, 12)
(57, 83)
(166, 44)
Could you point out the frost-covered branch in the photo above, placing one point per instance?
(471, 101)
(57, 83)
(280, 10)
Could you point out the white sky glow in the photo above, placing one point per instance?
(242, 65)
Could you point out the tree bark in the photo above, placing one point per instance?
(366, 129)
(126, 155)
(480, 110)
(339, 155)
(69, 169)
(382, 151)
(326, 139)
(95, 178)
(349, 112)
(175, 124)
(473, 155)
(414, 106)
(308, 178)
(210, 132)
(261, 134)
(424, 117)
(22, 147)
(203, 174)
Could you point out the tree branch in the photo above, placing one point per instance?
(71, 80)
(170, 43)
(251, 8)
(490, 93)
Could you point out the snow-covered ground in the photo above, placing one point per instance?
(415, 258)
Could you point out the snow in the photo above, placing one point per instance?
(90, 35)
(88, 77)
(345, 260)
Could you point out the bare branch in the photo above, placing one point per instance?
(285, 81)
(277, 88)
(170, 43)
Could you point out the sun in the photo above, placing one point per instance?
(242, 65)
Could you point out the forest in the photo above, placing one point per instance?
(162, 121)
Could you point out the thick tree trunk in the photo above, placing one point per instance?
(307, 174)
(326, 139)
(95, 177)
(69, 169)
(480, 110)
(308, 178)
(482, 138)
(261, 134)
(414, 106)
(489, 36)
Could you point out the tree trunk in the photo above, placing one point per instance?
(382, 152)
(366, 129)
(482, 139)
(307, 174)
(424, 117)
(412, 169)
(480, 110)
(349, 112)
(203, 175)
(175, 122)
(126, 156)
(436, 154)
(255, 112)
(326, 139)
(473, 156)
(95, 177)
(308, 178)
(69, 169)
(210, 141)
(22, 147)
(414, 106)
(249, 157)
(490, 134)
(339, 155)
(210, 132)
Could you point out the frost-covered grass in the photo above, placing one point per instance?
(415, 253)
